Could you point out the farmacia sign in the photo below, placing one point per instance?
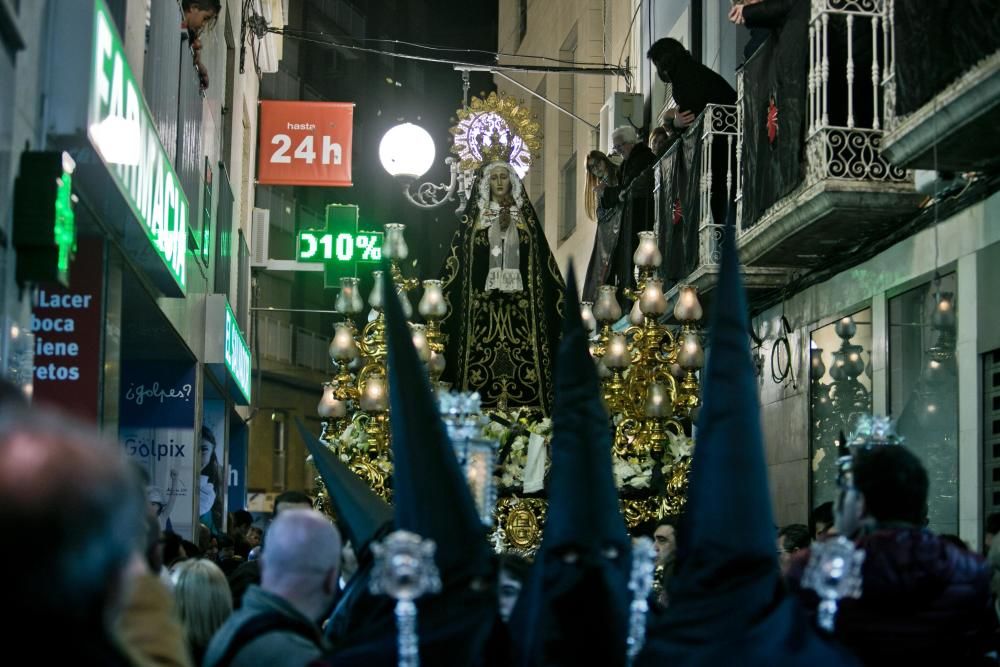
(122, 131)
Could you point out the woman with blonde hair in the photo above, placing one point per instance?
(203, 602)
(601, 172)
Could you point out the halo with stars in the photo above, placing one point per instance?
(501, 115)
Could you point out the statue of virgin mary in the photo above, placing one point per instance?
(505, 295)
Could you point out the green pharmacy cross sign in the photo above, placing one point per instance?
(340, 246)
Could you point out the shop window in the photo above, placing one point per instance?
(840, 391)
(923, 389)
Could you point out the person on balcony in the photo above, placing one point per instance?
(634, 194)
(760, 17)
(692, 85)
(601, 172)
(659, 141)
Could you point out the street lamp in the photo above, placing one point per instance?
(407, 153)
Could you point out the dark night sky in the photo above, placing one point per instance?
(387, 91)
(394, 90)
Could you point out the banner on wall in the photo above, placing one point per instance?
(67, 324)
(212, 451)
(156, 429)
(305, 143)
(236, 479)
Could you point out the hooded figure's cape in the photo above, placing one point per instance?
(459, 626)
(363, 517)
(574, 607)
(728, 604)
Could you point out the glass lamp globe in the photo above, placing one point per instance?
(406, 151)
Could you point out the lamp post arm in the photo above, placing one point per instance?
(430, 195)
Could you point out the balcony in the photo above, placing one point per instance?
(815, 182)
(697, 182)
(292, 351)
(950, 101)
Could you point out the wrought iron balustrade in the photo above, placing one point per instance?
(815, 179)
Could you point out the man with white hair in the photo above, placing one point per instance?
(277, 624)
(635, 195)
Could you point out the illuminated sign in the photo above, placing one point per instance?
(340, 246)
(65, 219)
(321, 246)
(305, 143)
(122, 131)
(44, 220)
(237, 354)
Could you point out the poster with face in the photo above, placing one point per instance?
(211, 478)
(156, 429)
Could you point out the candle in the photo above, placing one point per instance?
(394, 245)
(342, 347)
(373, 395)
(687, 309)
(616, 355)
(329, 406)
(652, 301)
(432, 305)
(647, 255)
(606, 308)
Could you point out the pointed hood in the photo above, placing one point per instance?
(583, 499)
(361, 513)
(583, 561)
(727, 597)
(430, 494)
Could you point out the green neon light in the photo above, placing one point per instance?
(237, 354)
(122, 130)
(319, 247)
(65, 218)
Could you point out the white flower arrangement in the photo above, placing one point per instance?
(511, 472)
(681, 446)
(633, 472)
(353, 437)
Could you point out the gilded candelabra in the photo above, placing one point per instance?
(355, 404)
(641, 367)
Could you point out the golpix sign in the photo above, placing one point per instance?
(122, 131)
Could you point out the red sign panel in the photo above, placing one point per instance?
(305, 143)
(67, 325)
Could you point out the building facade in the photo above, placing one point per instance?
(861, 192)
(145, 329)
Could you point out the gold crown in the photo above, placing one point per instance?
(499, 149)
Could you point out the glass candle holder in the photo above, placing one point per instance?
(343, 348)
(687, 308)
(606, 307)
(652, 301)
(394, 244)
(432, 305)
(647, 255)
(616, 355)
(349, 300)
(374, 397)
(329, 406)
